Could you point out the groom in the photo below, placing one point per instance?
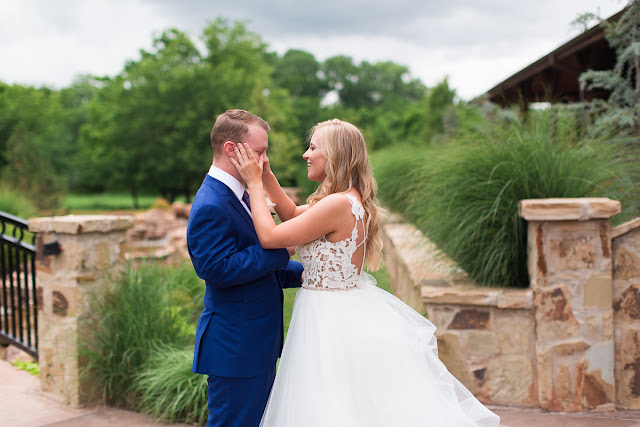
(239, 335)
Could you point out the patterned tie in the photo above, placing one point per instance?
(245, 199)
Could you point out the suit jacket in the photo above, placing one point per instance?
(240, 331)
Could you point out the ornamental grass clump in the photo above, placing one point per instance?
(148, 307)
(465, 196)
(169, 390)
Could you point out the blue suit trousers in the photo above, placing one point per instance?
(238, 402)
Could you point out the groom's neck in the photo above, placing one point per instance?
(225, 165)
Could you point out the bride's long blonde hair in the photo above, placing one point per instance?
(345, 149)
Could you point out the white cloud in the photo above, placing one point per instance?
(476, 44)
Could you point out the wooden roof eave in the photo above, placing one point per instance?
(552, 60)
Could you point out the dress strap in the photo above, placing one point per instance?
(358, 211)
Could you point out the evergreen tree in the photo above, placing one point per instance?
(620, 112)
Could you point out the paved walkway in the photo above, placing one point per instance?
(22, 405)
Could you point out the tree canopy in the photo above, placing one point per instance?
(146, 129)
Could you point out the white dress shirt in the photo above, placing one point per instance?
(231, 182)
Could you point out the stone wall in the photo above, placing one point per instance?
(551, 345)
(159, 233)
(626, 308)
(92, 253)
(485, 335)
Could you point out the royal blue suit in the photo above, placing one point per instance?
(240, 331)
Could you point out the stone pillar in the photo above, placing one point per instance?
(570, 269)
(91, 254)
(626, 312)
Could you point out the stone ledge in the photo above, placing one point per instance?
(485, 297)
(78, 224)
(424, 262)
(579, 209)
(437, 278)
(623, 229)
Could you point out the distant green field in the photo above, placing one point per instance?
(105, 201)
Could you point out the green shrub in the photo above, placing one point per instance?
(31, 367)
(169, 390)
(16, 203)
(141, 311)
(465, 196)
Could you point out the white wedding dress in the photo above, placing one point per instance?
(355, 355)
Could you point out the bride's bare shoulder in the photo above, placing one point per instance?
(335, 202)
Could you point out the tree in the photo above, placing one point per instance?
(142, 122)
(425, 119)
(299, 73)
(149, 126)
(32, 134)
(621, 110)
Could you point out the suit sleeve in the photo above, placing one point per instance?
(217, 258)
(291, 276)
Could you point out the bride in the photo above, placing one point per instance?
(355, 355)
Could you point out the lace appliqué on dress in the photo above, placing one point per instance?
(327, 265)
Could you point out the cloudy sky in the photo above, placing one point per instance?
(476, 43)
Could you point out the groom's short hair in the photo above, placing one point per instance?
(233, 125)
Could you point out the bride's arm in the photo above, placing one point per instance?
(285, 207)
(326, 216)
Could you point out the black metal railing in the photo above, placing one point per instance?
(18, 299)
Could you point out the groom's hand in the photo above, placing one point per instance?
(291, 250)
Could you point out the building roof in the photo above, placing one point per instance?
(554, 77)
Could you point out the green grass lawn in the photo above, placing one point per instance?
(85, 203)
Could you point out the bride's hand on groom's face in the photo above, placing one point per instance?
(266, 166)
(245, 162)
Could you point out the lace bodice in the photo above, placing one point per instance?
(327, 264)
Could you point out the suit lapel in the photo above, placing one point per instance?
(231, 198)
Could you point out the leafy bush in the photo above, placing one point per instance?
(16, 203)
(465, 196)
(31, 367)
(169, 390)
(146, 308)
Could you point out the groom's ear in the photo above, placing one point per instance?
(228, 149)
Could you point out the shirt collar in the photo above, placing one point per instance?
(228, 180)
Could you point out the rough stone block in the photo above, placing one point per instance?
(569, 348)
(482, 343)
(14, 353)
(572, 253)
(628, 369)
(596, 391)
(515, 299)
(515, 332)
(628, 229)
(441, 316)
(626, 264)
(580, 209)
(471, 319)
(628, 302)
(511, 380)
(554, 316)
(451, 353)
(598, 291)
(72, 224)
(544, 370)
(563, 389)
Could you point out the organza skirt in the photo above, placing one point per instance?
(364, 358)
